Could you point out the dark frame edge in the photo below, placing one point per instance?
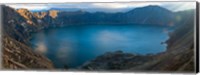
(197, 37)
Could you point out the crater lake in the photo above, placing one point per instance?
(74, 45)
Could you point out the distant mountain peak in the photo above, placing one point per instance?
(151, 8)
(154, 6)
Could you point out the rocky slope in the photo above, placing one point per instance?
(116, 61)
(179, 56)
(16, 51)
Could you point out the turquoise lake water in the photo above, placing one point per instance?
(74, 45)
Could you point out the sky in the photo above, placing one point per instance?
(107, 7)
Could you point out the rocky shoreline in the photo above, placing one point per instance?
(117, 60)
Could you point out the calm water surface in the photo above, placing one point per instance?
(74, 45)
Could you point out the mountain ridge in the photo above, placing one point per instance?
(161, 16)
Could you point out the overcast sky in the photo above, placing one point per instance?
(108, 7)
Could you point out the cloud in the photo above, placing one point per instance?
(110, 7)
(29, 6)
(123, 5)
(71, 5)
(179, 6)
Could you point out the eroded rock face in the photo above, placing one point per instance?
(18, 56)
(17, 53)
(27, 15)
(39, 19)
(53, 13)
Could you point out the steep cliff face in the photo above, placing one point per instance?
(38, 19)
(17, 53)
(27, 15)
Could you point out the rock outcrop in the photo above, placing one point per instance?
(40, 15)
(53, 13)
(116, 61)
(26, 14)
